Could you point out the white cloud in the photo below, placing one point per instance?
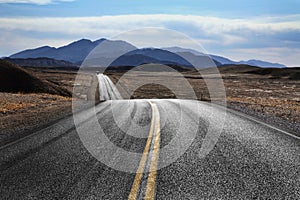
(216, 34)
(287, 56)
(13, 42)
(108, 25)
(38, 2)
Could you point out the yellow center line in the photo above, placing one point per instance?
(151, 184)
(139, 174)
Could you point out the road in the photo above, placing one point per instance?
(110, 92)
(249, 160)
(152, 149)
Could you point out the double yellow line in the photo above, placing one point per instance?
(154, 142)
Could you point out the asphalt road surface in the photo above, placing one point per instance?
(169, 137)
(110, 92)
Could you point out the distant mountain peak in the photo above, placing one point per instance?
(99, 41)
(77, 51)
(45, 47)
(176, 49)
(78, 43)
(261, 63)
(82, 40)
(225, 61)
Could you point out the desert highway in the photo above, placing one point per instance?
(109, 90)
(249, 160)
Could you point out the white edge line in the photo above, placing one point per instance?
(257, 121)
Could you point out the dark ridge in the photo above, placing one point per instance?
(41, 62)
(290, 73)
(238, 68)
(295, 76)
(15, 79)
(127, 68)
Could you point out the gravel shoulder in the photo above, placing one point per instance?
(22, 114)
(290, 126)
(274, 101)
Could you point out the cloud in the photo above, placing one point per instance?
(38, 2)
(215, 34)
(207, 27)
(289, 56)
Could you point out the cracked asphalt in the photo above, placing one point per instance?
(200, 156)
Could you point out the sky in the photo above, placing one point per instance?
(240, 30)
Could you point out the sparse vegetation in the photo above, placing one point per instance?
(270, 92)
(265, 94)
(21, 113)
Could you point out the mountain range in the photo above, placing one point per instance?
(41, 62)
(127, 54)
(75, 52)
(227, 61)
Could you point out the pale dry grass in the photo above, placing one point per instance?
(275, 97)
(17, 103)
(283, 108)
(10, 107)
(22, 113)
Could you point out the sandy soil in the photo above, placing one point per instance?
(22, 113)
(276, 101)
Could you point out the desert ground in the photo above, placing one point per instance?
(272, 96)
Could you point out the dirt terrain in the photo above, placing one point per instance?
(270, 96)
(20, 114)
(16, 79)
(27, 109)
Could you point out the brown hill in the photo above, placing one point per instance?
(15, 79)
(41, 62)
(290, 73)
(273, 73)
(236, 68)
